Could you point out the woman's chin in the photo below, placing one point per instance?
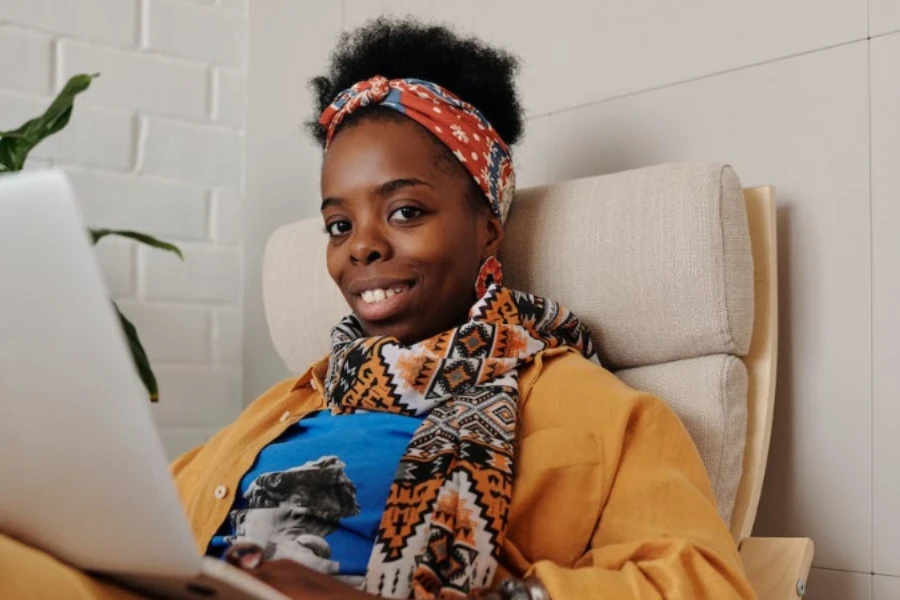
(395, 330)
(383, 311)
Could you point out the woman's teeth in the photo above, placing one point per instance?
(373, 296)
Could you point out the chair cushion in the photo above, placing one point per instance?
(302, 302)
(710, 396)
(655, 261)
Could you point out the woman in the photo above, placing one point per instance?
(460, 439)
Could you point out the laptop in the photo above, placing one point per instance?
(84, 476)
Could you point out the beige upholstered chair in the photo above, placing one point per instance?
(674, 270)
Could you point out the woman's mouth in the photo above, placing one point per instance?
(377, 304)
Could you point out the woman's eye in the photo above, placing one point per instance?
(405, 213)
(337, 228)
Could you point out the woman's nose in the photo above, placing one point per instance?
(368, 245)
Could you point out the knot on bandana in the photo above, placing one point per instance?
(373, 93)
(457, 124)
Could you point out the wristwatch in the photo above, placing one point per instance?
(529, 588)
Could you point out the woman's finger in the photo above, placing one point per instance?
(245, 555)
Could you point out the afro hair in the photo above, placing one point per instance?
(398, 48)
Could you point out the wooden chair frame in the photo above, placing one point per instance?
(777, 567)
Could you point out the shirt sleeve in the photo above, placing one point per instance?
(659, 535)
(178, 465)
(27, 573)
(244, 423)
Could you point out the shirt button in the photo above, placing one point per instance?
(285, 416)
(221, 492)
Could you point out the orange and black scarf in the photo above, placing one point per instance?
(447, 511)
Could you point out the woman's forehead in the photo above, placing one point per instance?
(370, 154)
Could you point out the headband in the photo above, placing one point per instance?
(457, 124)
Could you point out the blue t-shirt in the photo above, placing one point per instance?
(316, 494)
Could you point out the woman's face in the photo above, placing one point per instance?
(405, 242)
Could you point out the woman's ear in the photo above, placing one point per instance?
(494, 236)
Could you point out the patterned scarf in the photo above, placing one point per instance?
(447, 511)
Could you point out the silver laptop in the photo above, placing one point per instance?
(83, 475)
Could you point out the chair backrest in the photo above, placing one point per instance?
(656, 261)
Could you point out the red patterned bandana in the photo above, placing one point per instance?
(446, 514)
(459, 125)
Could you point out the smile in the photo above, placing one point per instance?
(380, 295)
(380, 303)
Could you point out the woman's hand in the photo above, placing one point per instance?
(299, 582)
(290, 578)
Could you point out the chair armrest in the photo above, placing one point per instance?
(777, 567)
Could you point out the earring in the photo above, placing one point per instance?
(491, 273)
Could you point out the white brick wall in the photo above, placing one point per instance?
(226, 219)
(133, 79)
(210, 275)
(240, 6)
(198, 395)
(167, 209)
(198, 32)
(200, 154)
(172, 334)
(96, 137)
(116, 258)
(25, 60)
(231, 102)
(228, 336)
(154, 145)
(109, 21)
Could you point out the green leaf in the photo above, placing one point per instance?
(99, 234)
(15, 145)
(12, 153)
(141, 362)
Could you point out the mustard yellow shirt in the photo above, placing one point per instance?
(610, 497)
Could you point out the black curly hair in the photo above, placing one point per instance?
(481, 75)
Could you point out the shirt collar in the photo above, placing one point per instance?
(314, 376)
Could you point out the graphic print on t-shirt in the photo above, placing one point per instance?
(291, 512)
(317, 492)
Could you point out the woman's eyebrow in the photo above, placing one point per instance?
(385, 189)
(395, 184)
(331, 202)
